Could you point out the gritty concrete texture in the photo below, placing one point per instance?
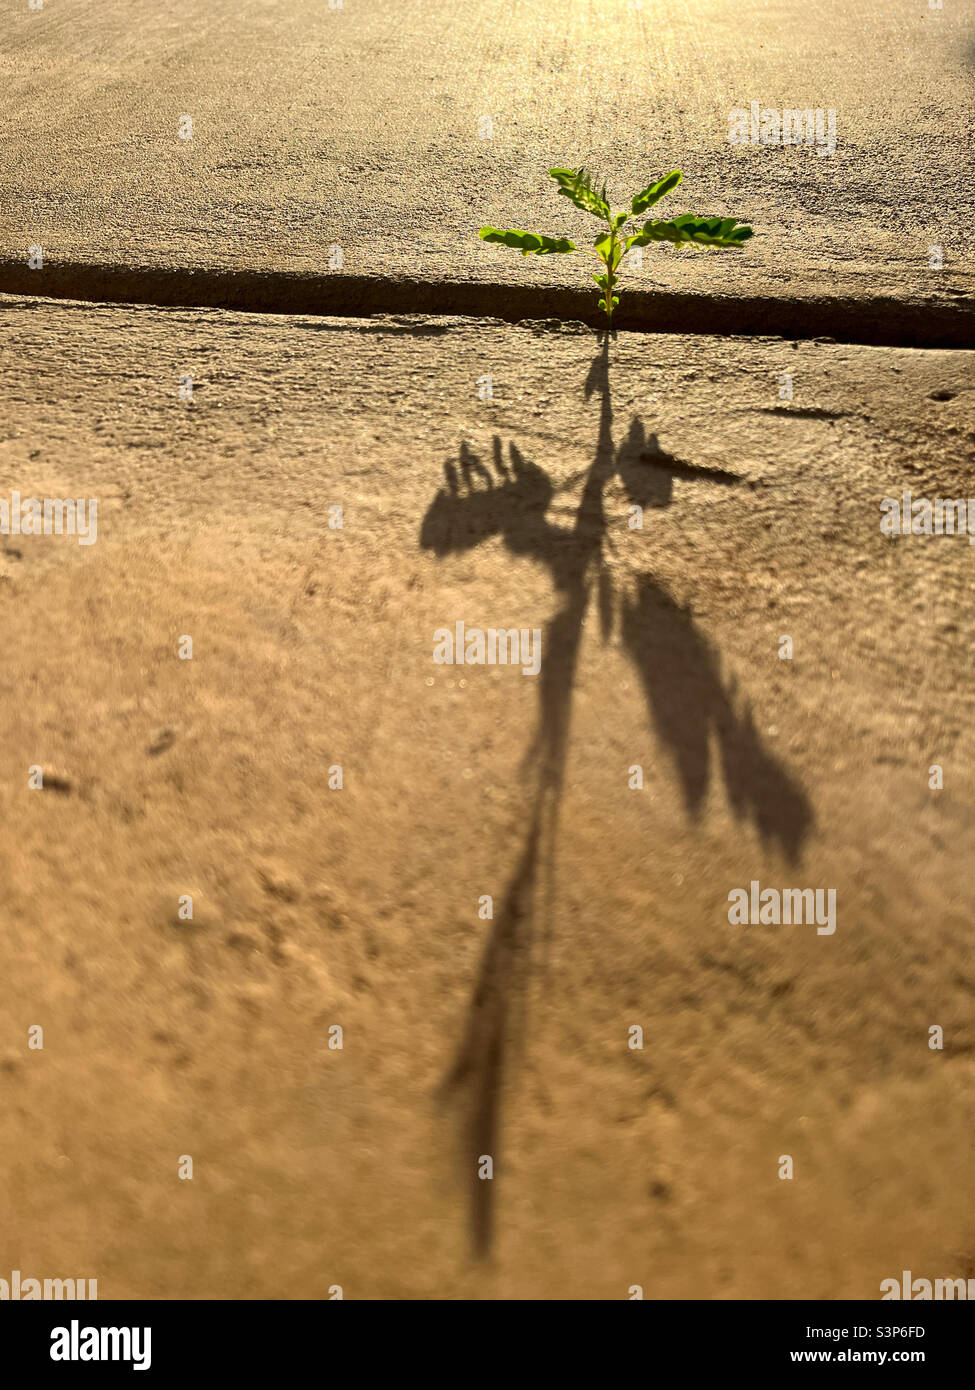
(317, 907)
(361, 127)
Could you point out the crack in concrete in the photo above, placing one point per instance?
(871, 321)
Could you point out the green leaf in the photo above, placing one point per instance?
(601, 280)
(528, 243)
(602, 245)
(620, 218)
(699, 231)
(576, 185)
(655, 191)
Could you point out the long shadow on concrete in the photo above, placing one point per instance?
(690, 708)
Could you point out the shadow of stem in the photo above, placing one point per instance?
(688, 703)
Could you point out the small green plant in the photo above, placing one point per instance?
(613, 243)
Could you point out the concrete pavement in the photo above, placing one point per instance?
(486, 473)
(384, 136)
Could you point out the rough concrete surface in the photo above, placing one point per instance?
(313, 648)
(362, 127)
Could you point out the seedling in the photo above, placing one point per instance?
(613, 244)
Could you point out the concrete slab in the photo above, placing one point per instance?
(486, 474)
(394, 134)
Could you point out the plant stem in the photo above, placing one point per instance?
(609, 272)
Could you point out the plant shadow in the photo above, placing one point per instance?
(691, 709)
